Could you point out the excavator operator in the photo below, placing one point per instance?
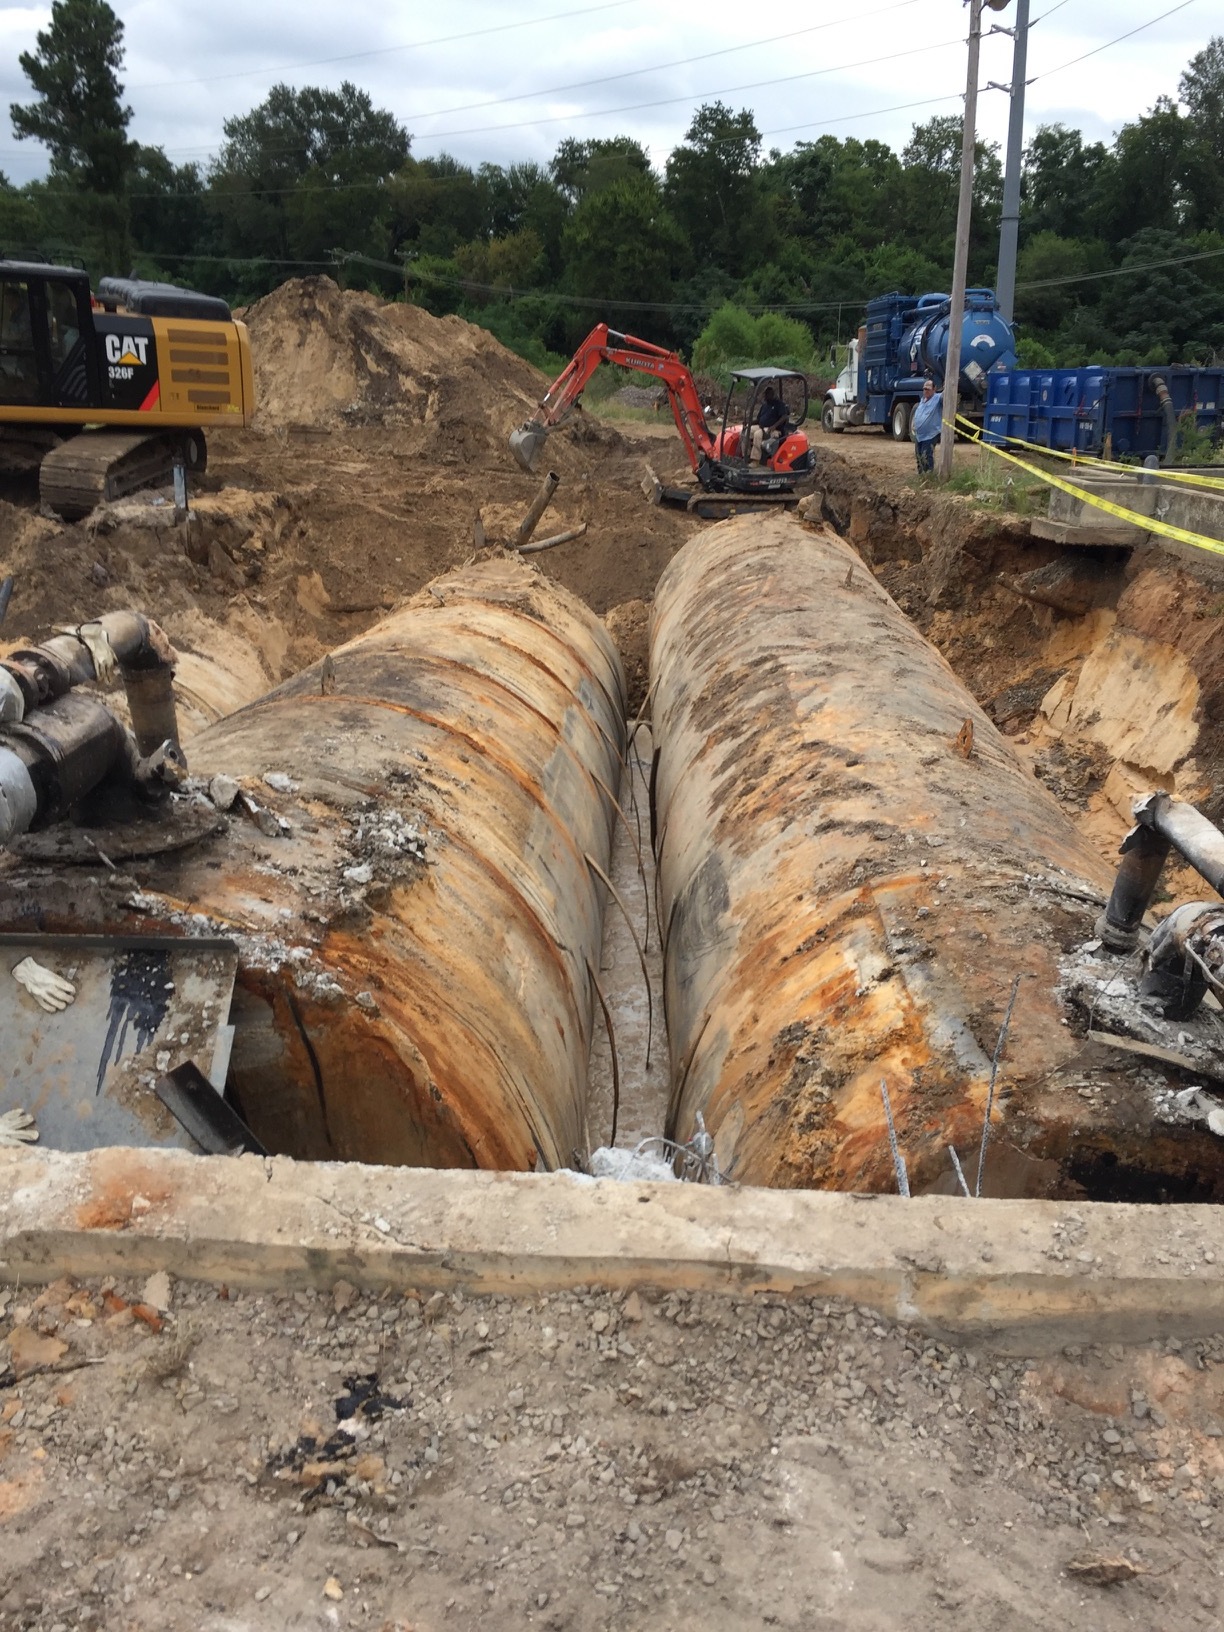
(770, 423)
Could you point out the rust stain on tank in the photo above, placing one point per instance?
(847, 899)
(414, 934)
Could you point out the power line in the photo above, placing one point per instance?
(655, 67)
(381, 182)
(387, 50)
(1121, 271)
(606, 303)
(725, 90)
(1096, 50)
(583, 84)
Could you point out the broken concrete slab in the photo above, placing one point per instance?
(1022, 1276)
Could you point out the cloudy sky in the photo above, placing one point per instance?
(484, 80)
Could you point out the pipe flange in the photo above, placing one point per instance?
(1116, 937)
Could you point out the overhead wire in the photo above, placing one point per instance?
(657, 67)
(388, 50)
(1048, 73)
(700, 96)
(406, 269)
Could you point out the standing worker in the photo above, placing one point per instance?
(925, 426)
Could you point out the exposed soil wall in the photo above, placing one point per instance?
(1106, 664)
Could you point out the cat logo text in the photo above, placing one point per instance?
(125, 353)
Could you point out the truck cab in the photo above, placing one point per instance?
(842, 403)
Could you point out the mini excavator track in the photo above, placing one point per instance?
(97, 466)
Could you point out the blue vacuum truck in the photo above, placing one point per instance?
(904, 339)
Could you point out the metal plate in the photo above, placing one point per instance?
(143, 1005)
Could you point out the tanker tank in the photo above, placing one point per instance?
(987, 340)
(407, 869)
(854, 869)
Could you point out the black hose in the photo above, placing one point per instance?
(1169, 414)
(6, 595)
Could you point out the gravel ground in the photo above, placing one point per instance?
(585, 1461)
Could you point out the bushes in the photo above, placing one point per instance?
(734, 338)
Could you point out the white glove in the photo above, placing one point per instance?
(106, 664)
(17, 1128)
(49, 990)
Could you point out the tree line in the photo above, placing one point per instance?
(1122, 243)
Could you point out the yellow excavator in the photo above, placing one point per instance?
(105, 392)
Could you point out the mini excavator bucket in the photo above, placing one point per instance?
(526, 442)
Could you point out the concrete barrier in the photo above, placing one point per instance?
(1020, 1276)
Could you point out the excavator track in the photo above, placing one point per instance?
(96, 466)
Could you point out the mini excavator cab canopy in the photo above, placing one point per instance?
(746, 398)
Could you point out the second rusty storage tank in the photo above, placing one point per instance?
(846, 894)
(405, 874)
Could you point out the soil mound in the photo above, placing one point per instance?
(325, 356)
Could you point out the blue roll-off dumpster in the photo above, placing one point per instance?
(1110, 412)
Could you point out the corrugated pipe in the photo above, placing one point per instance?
(1170, 418)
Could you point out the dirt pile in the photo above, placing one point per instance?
(328, 357)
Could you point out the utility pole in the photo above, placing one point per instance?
(1009, 227)
(960, 262)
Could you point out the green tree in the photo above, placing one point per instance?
(1063, 181)
(79, 115)
(623, 245)
(932, 160)
(1042, 304)
(1168, 312)
(711, 189)
(168, 210)
(579, 167)
(434, 205)
(1202, 90)
(1145, 187)
(307, 172)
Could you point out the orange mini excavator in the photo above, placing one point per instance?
(726, 463)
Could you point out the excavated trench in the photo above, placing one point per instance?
(1102, 669)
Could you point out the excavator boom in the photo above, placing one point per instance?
(605, 345)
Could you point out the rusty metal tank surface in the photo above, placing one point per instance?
(405, 875)
(848, 888)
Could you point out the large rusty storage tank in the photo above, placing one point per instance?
(854, 866)
(405, 873)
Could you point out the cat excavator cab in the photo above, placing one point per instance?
(105, 392)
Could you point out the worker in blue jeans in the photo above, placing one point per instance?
(925, 426)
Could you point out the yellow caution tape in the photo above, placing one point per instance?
(1146, 524)
(1110, 466)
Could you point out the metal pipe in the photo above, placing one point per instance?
(61, 753)
(416, 912)
(538, 506)
(1143, 854)
(1169, 415)
(138, 646)
(845, 896)
(1195, 839)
